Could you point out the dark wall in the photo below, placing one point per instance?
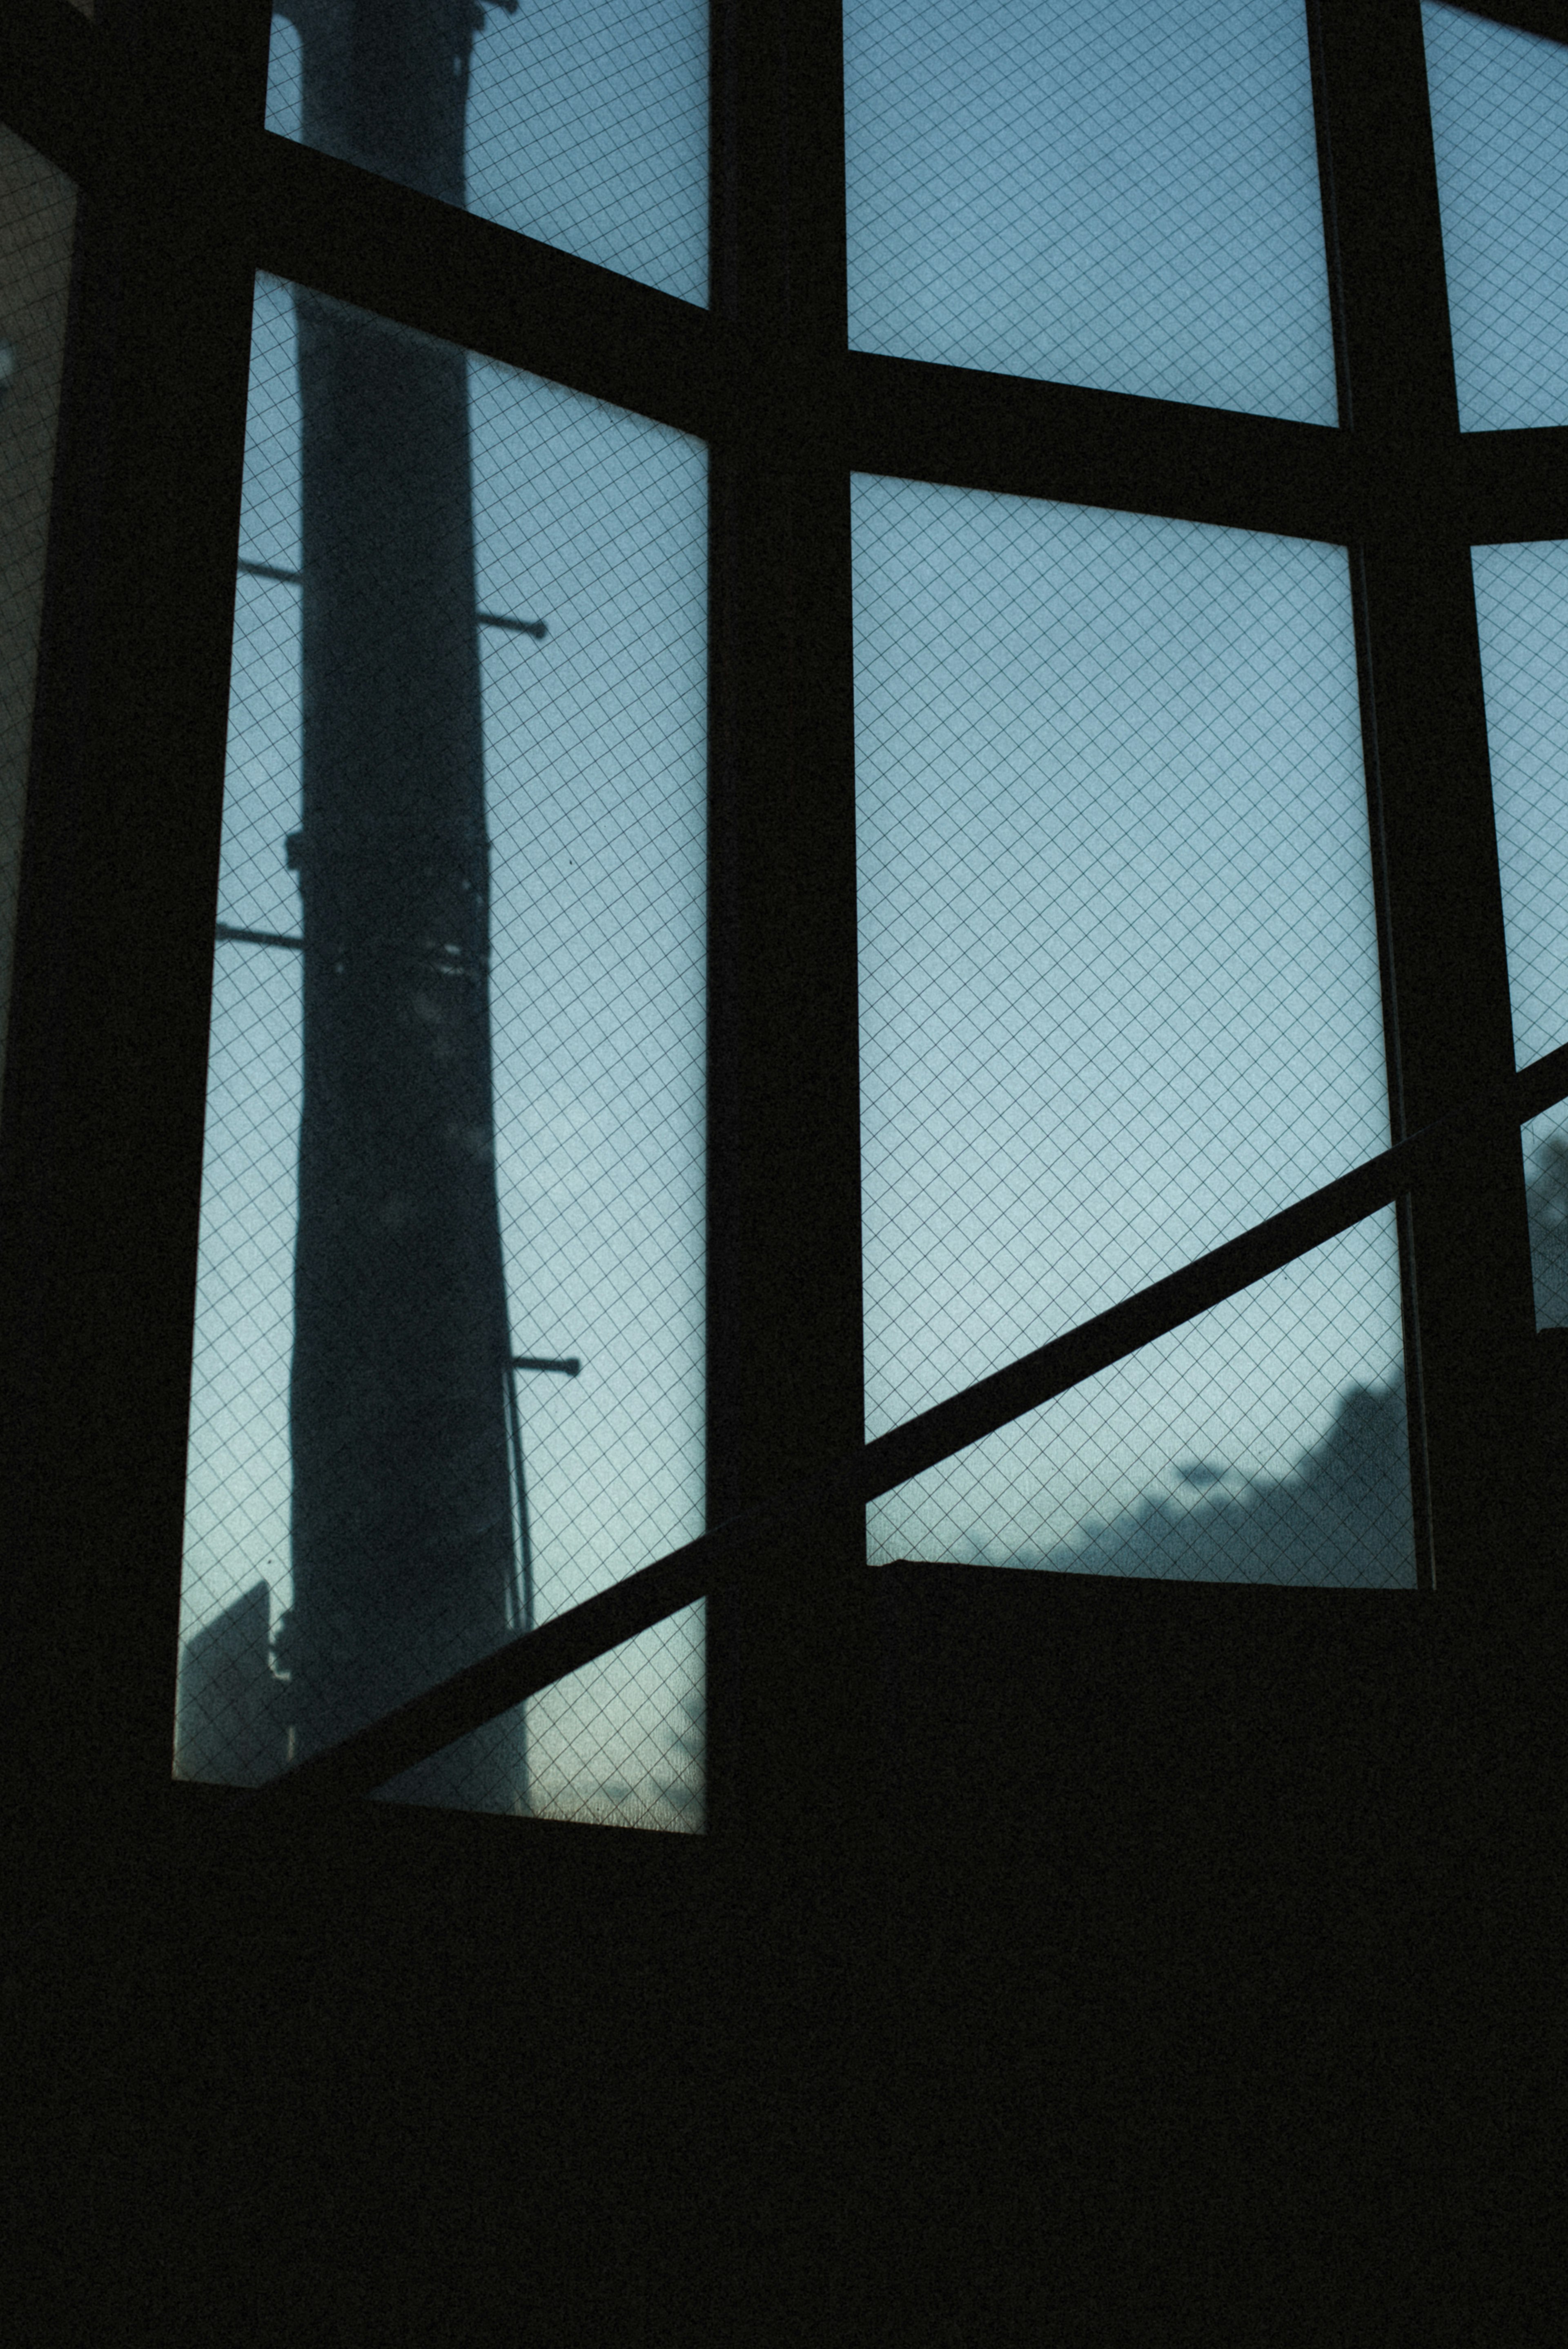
(1203, 1976)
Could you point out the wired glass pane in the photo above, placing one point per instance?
(584, 127)
(1500, 130)
(454, 1119)
(1108, 192)
(1266, 1441)
(1119, 1000)
(1521, 609)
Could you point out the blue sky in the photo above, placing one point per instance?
(1500, 129)
(1119, 988)
(1115, 193)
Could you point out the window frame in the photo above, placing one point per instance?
(156, 114)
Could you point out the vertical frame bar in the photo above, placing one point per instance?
(1470, 1316)
(787, 1654)
(101, 1165)
(793, 1752)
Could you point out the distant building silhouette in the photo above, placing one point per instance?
(1341, 1516)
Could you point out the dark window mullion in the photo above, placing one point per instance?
(785, 1369)
(105, 1070)
(1469, 1311)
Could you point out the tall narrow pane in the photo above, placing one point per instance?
(449, 1368)
(1521, 607)
(1111, 192)
(1522, 611)
(1500, 129)
(584, 125)
(1119, 997)
(38, 218)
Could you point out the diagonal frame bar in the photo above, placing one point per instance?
(535, 1661)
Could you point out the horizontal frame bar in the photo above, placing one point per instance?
(316, 221)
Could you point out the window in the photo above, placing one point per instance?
(1257, 611)
(507, 1126)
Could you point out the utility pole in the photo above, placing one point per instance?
(403, 1551)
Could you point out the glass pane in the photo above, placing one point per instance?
(1545, 1140)
(38, 219)
(1119, 991)
(585, 126)
(454, 1119)
(1522, 611)
(1111, 192)
(1265, 1442)
(1522, 607)
(1499, 128)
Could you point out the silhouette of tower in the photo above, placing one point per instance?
(402, 1531)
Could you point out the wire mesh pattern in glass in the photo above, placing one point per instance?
(1265, 1442)
(1500, 130)
(1522, 611)
(1108, 192)
(1545, 1145)
(584, 127)
(448, 1351)
(38, 218)
(1120, 993)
